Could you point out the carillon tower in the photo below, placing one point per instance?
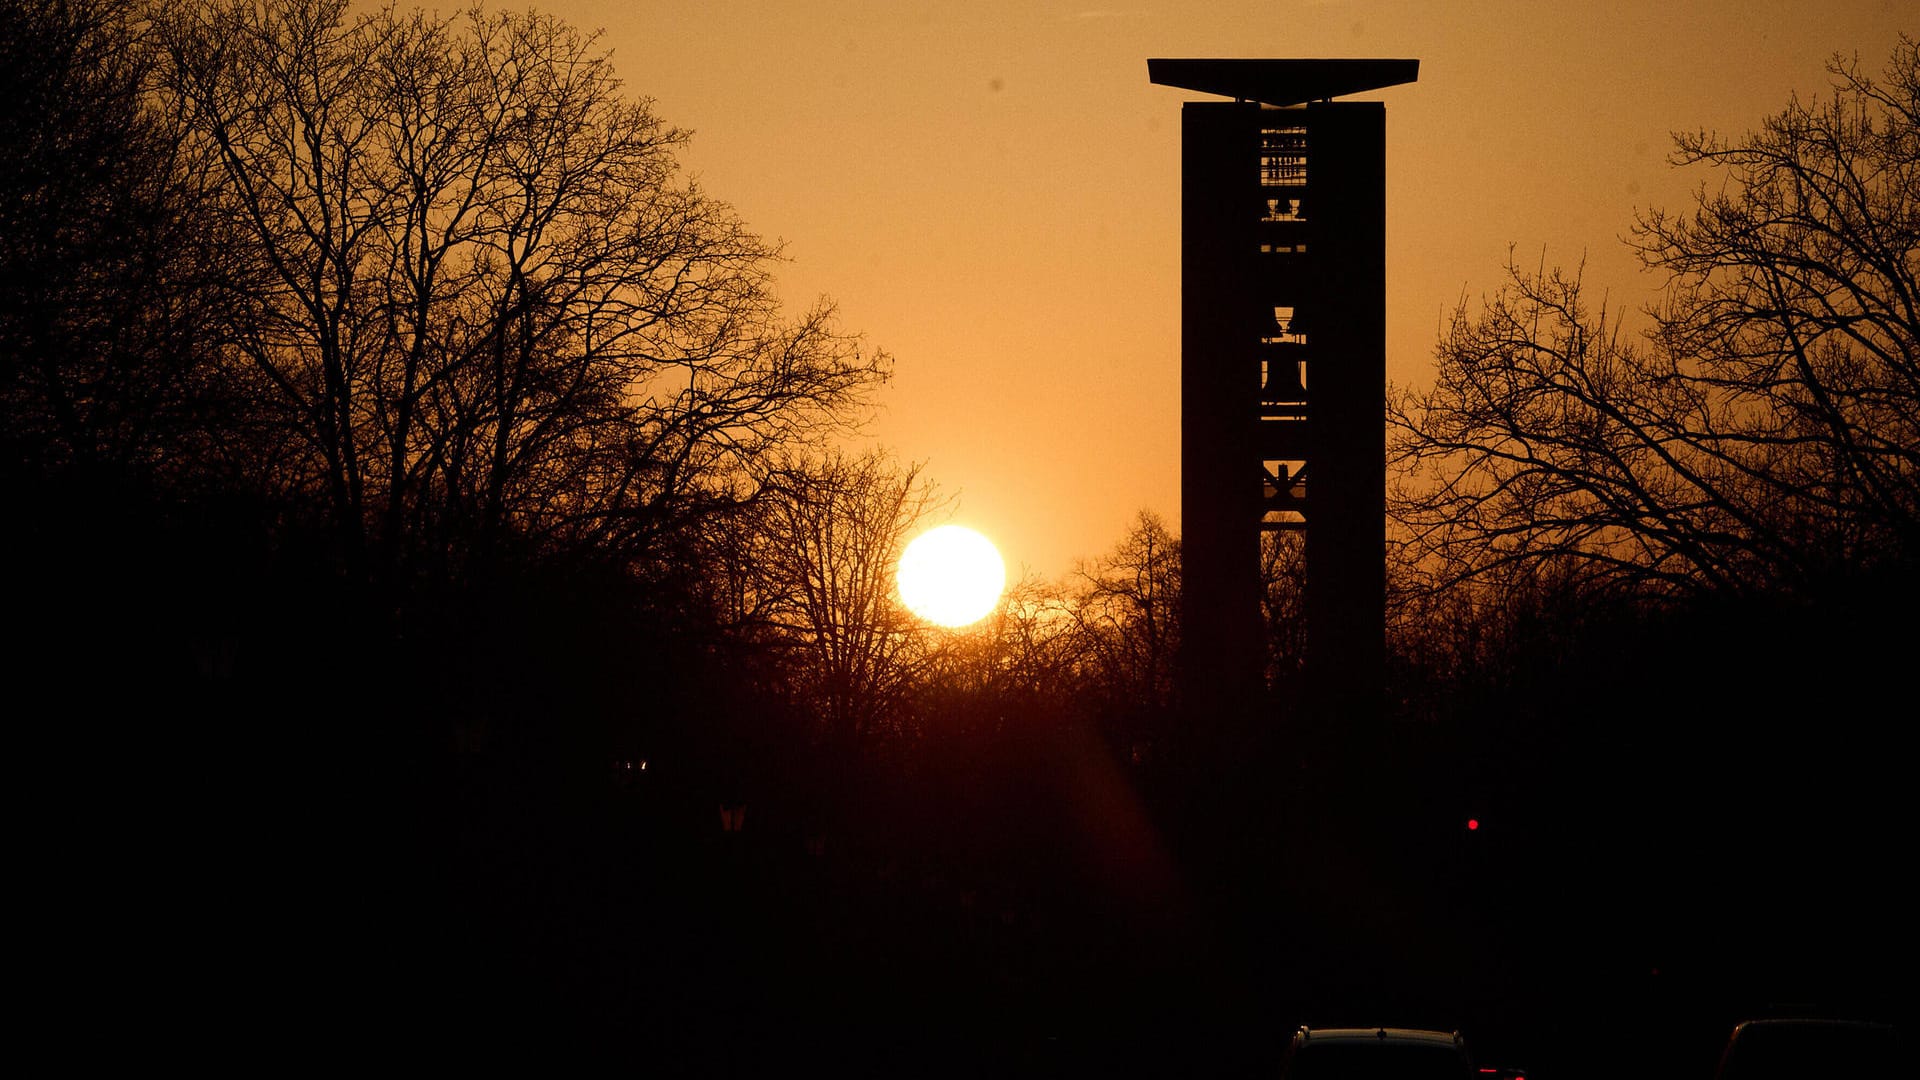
(1283, 365)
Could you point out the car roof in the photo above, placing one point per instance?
(1395, 1035)
(1831, 1023)
(1760, 1049)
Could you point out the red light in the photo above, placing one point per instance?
(1473, 823)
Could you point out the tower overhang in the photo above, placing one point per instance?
(1282, 82)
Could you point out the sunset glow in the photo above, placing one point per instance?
(1033, 274)
(951, 576)
(1077, 497)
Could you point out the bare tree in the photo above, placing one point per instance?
(1022, 670)
(1283, 580)
(1793, 306)
(101, 307)
(477, 295)
(817, 583)
(1127, 607)
(1036, 653)
(1762, 435)
(1546, 434)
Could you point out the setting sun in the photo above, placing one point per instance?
(951, 576)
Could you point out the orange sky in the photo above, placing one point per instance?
(990, 189)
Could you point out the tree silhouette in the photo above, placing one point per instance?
(101, 302)
(1665, 562)
(475, 300)
(1762, 435)
(815, 584)
(1127, 610)
(1283, 578)
(1794, 301)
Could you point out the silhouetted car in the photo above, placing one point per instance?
(1381, 1053)
(1809, 1049)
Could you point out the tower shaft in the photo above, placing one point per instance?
(1283, 369)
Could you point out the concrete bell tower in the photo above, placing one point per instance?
(1283, 366)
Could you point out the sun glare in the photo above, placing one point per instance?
(951, 576)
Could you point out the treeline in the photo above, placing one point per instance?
(1757, 434)
(422, 517)
(384, 324)
(386, 366)
(392, 350)
(394, 439)
(1683, 546)
(1655, 573)
(389, 428)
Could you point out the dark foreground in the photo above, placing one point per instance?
(1045, 909)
